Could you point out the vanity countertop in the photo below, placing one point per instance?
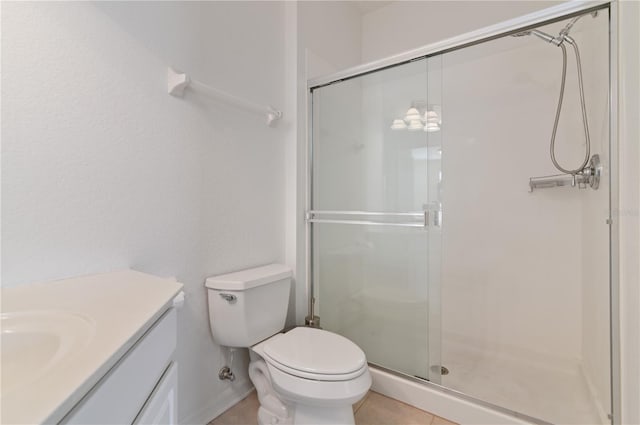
(80, 327)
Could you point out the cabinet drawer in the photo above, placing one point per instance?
(120, 394)
(162, 406)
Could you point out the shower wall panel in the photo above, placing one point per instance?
(525, 275)
(511, 259)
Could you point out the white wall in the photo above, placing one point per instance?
(102, 170)
(405, 25)
(331, 32)
(506, 251)
(327, 40)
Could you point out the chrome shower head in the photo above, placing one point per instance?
(562, 36)
(542, 35)
(546, 37)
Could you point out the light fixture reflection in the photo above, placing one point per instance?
(412, 115)
(415, 125)
(398, 124)
(431, 127)
(419, 116)
(431, 117)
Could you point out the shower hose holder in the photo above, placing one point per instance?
(589, 176)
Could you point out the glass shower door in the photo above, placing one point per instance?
(375, 214)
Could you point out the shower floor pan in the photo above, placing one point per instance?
(552, 392)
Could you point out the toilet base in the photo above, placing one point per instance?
(309, 415)
(266, 417)
(314, 415)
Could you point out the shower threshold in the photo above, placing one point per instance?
(443, 401)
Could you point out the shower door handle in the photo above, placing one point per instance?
(433, 214)
(420, 218)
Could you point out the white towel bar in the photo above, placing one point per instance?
(177, 82)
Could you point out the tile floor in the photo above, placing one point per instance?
(374, 409)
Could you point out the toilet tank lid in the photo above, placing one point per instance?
(250, 278)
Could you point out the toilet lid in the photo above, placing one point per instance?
(315, 351)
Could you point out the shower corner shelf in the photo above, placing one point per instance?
(177, 82)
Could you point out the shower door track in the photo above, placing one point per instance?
(461, 395)
(509, 27)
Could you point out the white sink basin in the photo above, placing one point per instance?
(35, 341)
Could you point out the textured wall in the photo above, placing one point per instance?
(102, 170)
(327, 40)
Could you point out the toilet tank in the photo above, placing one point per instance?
(248, 306)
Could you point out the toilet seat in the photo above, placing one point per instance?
(315, 354)
(314, 376)
(325, 393)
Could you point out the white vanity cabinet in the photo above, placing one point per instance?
(141, 387)
(116, 335)
(161, 408)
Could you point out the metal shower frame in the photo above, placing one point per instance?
(506, 28)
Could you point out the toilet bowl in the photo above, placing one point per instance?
(318, 374)
(303, 376)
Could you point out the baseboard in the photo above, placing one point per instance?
(219, 403)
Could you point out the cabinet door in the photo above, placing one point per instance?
(118, 397)
(162, 405)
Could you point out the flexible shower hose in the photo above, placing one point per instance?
(582, 104)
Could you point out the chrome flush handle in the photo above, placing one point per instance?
(230, 298)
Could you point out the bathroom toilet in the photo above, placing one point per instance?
(303, 376)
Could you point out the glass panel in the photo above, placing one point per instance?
(513, 299)
(524, 275)
(377, 284)
(359, 162)
(372, 289)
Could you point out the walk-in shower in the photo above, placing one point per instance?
(427, 247)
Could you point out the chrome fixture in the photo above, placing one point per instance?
(442, 370)
(584, 174)
(590, 176)
(225, 374)
(421, 219)
(230, 298)
(312, 320)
